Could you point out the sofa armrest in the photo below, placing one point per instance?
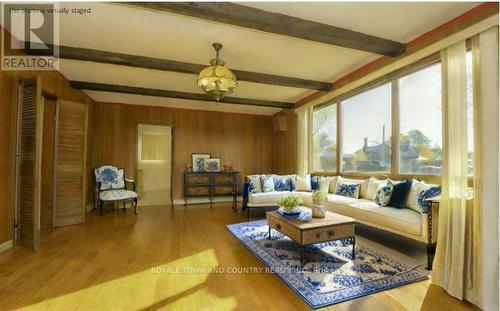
(245, 194)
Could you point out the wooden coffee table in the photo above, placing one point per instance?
(332, 227)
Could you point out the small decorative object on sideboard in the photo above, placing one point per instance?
(227, 167)
(198, 161)
(290, 205)
(188, 168)
(212, 165)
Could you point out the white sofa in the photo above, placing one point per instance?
(405, 221)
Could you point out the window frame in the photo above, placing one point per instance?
(391, 78)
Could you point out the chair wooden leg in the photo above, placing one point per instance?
(101, 207)
(135, 206)
(124, 206)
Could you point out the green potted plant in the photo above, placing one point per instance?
(290, 203)
(319, 197)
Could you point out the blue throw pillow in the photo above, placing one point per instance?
(426, 194)
(282, 183)
(400, 193)
(314, 182)
(347, 190)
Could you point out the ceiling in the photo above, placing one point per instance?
(131, 30)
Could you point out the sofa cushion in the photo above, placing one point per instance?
(267, 197)
(374, 185)
(303, 183)
(255, 183)
(333, 184)
(430, 192)
(363, 184)
(405, 220)
(383, 196)
(314, 182)
(348, 188)
(339, 199)
(282, 183)
(416, 188)
(267, 183)
(324, 184)
(400, 194)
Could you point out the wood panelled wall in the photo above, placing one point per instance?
(51, 82)
(284, 148)
(242, 140)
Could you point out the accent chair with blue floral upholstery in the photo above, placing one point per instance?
(111, 186)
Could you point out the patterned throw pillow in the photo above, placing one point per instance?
(384, 194)
(348, 190)
(255, 184)
(426, 194)
(282, 183)
(267, 183)
(417, 187)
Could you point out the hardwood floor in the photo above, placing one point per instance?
(123, 262)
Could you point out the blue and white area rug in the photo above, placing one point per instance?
(330, 275)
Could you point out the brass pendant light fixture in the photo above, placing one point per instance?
(217, 80)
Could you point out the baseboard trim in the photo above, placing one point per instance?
(6, 245)
(204, 200)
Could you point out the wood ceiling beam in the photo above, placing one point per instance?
(99, 56)
(90, 86)
(244, 16)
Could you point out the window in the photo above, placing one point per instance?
(366, 131)
(324, 139)
(420, 122)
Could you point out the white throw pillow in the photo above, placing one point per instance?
(333, 184)
(303, 183)
(373, 186)
(363, 188)
(324, 184)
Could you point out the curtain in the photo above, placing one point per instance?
(303, 141)
(486, 171)
(449, 264)
(155, 147)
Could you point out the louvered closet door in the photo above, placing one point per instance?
(28, 164)
(69, 166)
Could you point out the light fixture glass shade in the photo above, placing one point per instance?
(217, 80)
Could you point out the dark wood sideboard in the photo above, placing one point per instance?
(211, 184)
